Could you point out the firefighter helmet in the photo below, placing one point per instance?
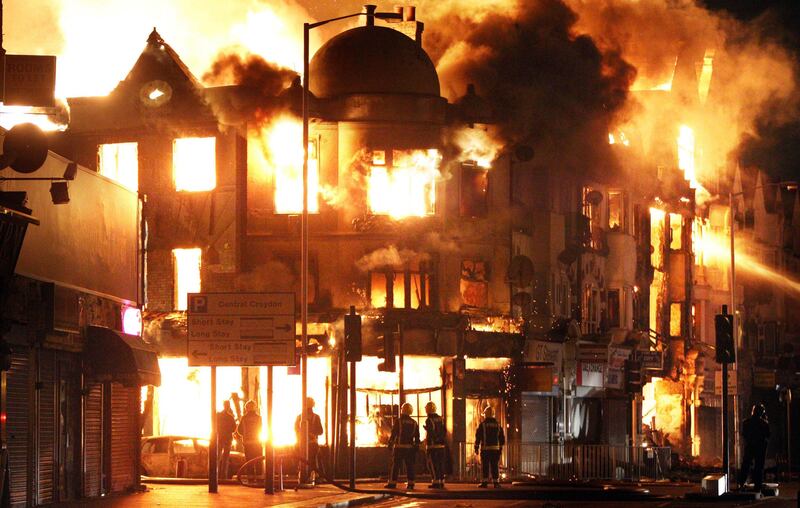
(488, 412)
(407, 409)
(758, 410)
(250, 405)
(430, 407)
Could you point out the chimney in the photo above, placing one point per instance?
(370, 12)
(406, 22)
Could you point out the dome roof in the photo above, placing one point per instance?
(372, 59)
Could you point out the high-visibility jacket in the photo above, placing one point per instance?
(405, 433)
(489, 436)
(435, 433)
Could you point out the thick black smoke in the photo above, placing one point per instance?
(262, 86)
(548, 86)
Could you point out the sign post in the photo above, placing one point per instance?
(213, 455)
(241, 329)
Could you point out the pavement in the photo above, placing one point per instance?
(541, 494)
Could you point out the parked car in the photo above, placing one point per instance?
(180, 457)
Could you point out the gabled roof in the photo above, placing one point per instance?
(159, 61)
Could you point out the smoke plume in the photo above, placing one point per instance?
(547, 83)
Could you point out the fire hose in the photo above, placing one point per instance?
(328, 479)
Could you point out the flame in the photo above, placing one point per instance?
(183, 401)
(662, 408)
(618, 138)
(378, 389)
(686, 155)
(501, 324)
(477, 145)
(11, 116)
(408, 187)
(187, 274)
(194, 162)
(278, 155)
(287, 401)
(272, 30)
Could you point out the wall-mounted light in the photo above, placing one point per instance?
(132, 320)
(71, 171)
(59, 193)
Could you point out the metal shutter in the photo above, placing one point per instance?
(123, 405)
(18, 414)
(93, 440)
(616, 417)
(537, 424)
(46, 428)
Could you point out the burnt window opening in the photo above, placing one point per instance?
(590, 310)
(675, 231)
(591, 217)
(474, 197)
(402, 183)
(408, 288)
(288, 179)
(186, 275)
(194, 164)
(474, 284)
(120, 162)
(617, 219)
(613, 303)
(675, 319)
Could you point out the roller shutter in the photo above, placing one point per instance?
(123, 436)
(93, 440)
(18, 397)
(46, 428)
(537, 422)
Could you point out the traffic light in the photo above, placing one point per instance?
(352, 336)
(633, 376)
(723, 323)
(388, 364)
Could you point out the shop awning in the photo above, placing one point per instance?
(116, 356)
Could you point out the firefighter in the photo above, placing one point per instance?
(404, 443)
(489, 441)
(435, 435)
(314, 431)
(755, 431)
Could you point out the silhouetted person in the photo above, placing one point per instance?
(314, 431)
(435, 445)
(489, 440)
(755, 431)
(226, 426)
(250, 431)
(404, 443)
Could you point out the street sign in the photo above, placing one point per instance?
(763, 378)
(731, 382)
(241, 329)
(30, 80)
(653, 360)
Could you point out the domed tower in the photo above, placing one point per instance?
(377, 102)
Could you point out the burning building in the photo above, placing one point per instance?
(499, 250)
(402, 226)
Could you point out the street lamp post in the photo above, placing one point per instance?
(370, 12)
(732, 288)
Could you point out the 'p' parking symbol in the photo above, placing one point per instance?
(198, 303)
